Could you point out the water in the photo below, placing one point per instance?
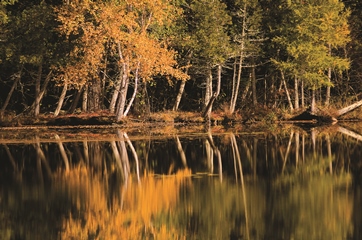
(289, 183)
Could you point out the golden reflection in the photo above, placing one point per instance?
(138, 214)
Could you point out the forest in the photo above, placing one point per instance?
(133, 58)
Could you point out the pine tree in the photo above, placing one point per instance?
(211, 43)
(316, 29)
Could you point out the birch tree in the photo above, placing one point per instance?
(247, 38)
(133, 36)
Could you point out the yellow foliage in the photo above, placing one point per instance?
(123, 28)
(132, 217)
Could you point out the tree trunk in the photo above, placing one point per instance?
(265, 91)
(112, 105)
(246, 90)
(313, 107)
(235, 89)
(182, 86)
(179, 95)
(75, 100)
(94, 95)
(40, 95)
(208, 92)
(141, 104)
(287, 91)
(121, 104)
(328, 93)
(7, 100)
(236, 84)
(61, 99)
(122, 96)
(208, 108)
(253, 78)
(134, 91)
(37, 91)
(349, 108)
(85, 98)
(296, 93)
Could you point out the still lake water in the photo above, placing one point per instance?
(292, 183)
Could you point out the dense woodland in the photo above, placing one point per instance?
(142, 56)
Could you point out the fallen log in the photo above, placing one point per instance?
(322, 116)
(348, 108)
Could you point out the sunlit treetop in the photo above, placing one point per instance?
(131, 29)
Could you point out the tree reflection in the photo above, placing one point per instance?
(144, 212)
(293, 185)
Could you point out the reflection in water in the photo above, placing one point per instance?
(294, 185)
(137, 210)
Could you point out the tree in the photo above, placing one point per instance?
(209, 22)
(316, 29)
(130, 33)
(351, 87)
(30, 47)
(247, 38)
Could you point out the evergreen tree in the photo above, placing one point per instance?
(315, 30)
(211, 44)
(31, 42)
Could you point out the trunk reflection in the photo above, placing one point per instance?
(298, 184)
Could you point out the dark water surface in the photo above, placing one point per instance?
(289, 184)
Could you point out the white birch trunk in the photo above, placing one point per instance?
(179, 95)
(208, 92)
(313, 107)
(287, 92)
(296, 93)
(328, 93)
(235, 92)
(112, 105)
(37, 91)
(208, 108)
(85, 99)
(40, 94)
(61, 100)
(181, 89)
(122, 98)
(134, 91)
